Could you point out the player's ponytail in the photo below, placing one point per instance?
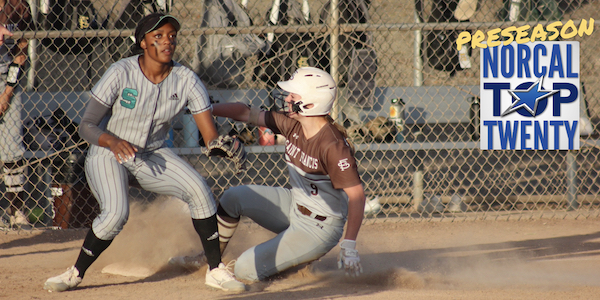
(341, 129)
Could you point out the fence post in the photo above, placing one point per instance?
(417, 188)
(418, 81)
(571, 181)
(32, 51)
(47, 199)
(418, 178)
(335, 47)
(418, 61)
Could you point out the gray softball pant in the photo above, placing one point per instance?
(300, 238)
(160, 171)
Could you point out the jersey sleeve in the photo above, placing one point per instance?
(107, 89)
(279, 122)
(93, 115)
(198, 99)
(341, 166)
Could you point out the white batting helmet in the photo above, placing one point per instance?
(315, 86)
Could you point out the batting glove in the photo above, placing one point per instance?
(349, 259)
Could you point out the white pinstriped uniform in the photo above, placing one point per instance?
(141, 113)
(11, 126)
(17, 17)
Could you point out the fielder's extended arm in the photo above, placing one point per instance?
(206, 125)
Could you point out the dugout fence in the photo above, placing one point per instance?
(426, 168)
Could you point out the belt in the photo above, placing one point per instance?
(305, 211)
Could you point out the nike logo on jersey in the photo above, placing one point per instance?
(214, 236)
(174, 97)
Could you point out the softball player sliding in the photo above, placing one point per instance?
(326, 189)
(126, 122)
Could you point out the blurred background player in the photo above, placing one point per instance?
(326, 189)
(14, 16)
(126, 122)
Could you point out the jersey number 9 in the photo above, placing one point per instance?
(315, 189)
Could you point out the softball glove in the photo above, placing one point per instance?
(230, 148)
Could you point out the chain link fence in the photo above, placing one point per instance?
(408, 99)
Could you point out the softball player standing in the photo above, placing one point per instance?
(126, 122)
(14, 15)
(326, 189)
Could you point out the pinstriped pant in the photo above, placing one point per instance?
(160, 171)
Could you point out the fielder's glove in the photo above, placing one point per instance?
(348, 258)
(230, 148)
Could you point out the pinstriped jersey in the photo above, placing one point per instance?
(320, 167)
(141, 111)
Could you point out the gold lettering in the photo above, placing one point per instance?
(463, 38)
(478, 37)
(583, 29)
(552, 28)
(492, 40)
(538, 33)
(522, 34)
(569, 25)
(506, 32)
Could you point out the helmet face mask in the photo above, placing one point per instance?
(315, 87)
(296, 107)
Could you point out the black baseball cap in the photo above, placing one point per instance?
(151, 22)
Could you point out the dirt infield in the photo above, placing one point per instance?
(542, 259)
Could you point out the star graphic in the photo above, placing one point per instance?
(529, 98)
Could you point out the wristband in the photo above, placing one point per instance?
(254, 114)
(14, 74)
(348, 244)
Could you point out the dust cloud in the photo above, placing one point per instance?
(154, 233)
(467, 259)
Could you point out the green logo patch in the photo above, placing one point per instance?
(128, 96)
